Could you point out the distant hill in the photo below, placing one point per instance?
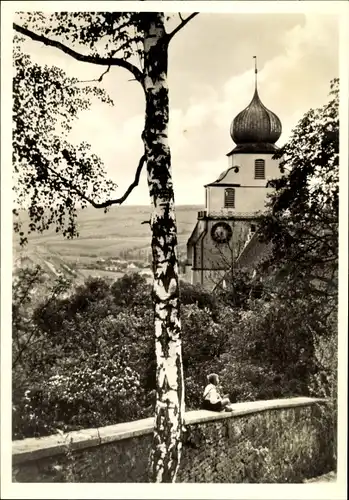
(118, 234)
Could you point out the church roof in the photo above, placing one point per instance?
(196, 234)
(255, 129)
(254, 147)
(254, 252)
(255, 124)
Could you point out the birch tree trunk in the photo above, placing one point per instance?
(169, 411)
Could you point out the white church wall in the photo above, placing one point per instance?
(245, 175)
(247, 199)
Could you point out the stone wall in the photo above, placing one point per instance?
(286, 440)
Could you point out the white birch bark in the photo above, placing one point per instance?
(169, 411)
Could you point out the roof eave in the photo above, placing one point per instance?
(249, 148)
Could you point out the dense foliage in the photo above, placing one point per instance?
(302, 223)
(91, 361)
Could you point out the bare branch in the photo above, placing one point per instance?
(104, 73)
(23, 347)
(98, 80)
(180, 16)
(131, 187)
(181, 25)
(105, 204)
(101, 61)
(122, 47)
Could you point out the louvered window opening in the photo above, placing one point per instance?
(229, 198)
(259, 169)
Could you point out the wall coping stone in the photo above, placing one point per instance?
(31, 449)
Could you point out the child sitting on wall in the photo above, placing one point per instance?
(212, 399)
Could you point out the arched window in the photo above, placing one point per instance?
(229, 198)
(259, 169)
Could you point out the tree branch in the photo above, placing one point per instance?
(22, 348)
(104, 73)
(98, 80)
(181, 25)
(101, 61)
(105, 204)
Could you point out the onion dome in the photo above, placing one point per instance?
(256, 128)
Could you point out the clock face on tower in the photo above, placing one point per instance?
(221, 232)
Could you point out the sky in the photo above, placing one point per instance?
(211, 79)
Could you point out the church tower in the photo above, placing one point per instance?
(237, 197)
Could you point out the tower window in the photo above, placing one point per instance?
(259, 169)
(229, 198)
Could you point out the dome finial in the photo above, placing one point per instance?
(255, 72)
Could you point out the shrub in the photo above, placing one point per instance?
(102, 391)
(323, 383)
(196, 294)
(271, 348)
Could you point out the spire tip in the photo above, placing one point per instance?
(255, 71)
